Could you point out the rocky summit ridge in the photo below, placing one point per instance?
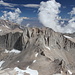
(40, 51)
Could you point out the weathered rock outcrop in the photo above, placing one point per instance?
(62, 47)
(9, 24)
(43, 49)
(10, 41)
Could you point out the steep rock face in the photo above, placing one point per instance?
(10, 41)
(43, 49)
(49, 38)
(62, 46)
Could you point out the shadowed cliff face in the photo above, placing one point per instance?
(55, 51)
(10, 41)
(10, 35)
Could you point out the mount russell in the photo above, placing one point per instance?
(35, 51)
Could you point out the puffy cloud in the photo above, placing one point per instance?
(31, 5)
(49, 17)
(48, 14)
(12, 16)
(70, 27)
(72, 12)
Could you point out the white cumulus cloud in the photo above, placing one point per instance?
(49, 17)
(70, 27)
(12, 16)
(48, 14)
(73, 11)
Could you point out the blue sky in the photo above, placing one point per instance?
(29, 8)
(32, 12)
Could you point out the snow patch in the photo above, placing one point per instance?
(12, 51)
(47, 47)
(15, 51)
(36, 54)
(0, 30)
(28, 70)
(18, 61)
(6, 51)
(67, 37)
(70, 72)
(34, 61)
(31, 72)
(19, 71)
(1, 62)
(61, 72)
(46, 38)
